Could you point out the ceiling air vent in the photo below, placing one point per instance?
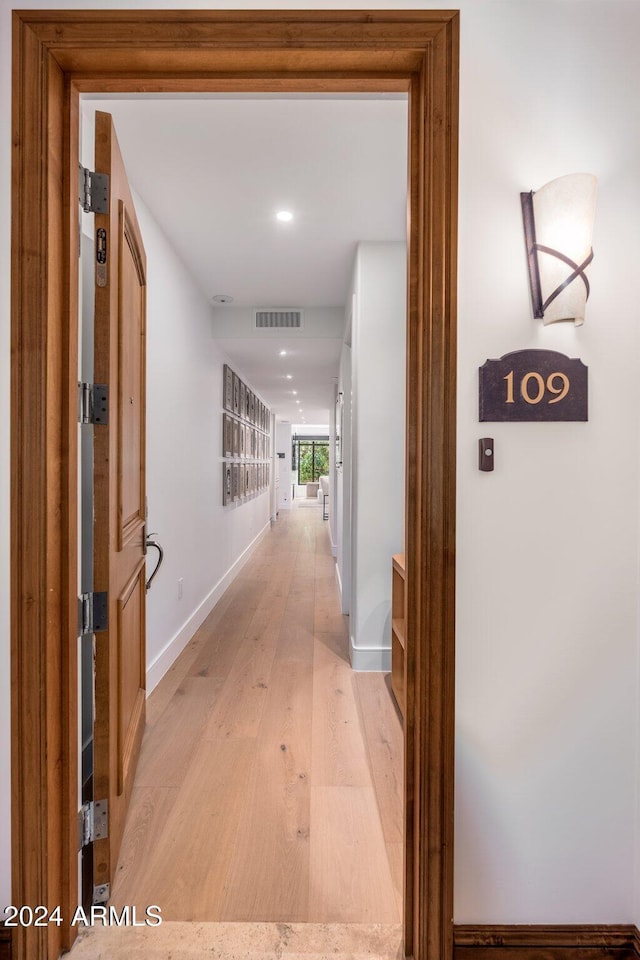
(278, 319)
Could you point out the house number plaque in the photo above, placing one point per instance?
(532, 385)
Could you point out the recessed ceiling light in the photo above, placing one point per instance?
(297, 401)
(222, 298)
(289, 377)
(284, 216)
(294, 393)
(283, 353)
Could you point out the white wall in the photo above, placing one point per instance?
(333, 528)
(343, 477)
(283, 465)
(378, 357)
(202, 540)
(548, 544)
(310, 429)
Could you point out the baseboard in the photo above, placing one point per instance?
(369, 659)
(175, 646)
(535, 942)
(334, 546)
(5, 942)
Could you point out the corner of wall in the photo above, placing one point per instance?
(369, 659)
(378, 457)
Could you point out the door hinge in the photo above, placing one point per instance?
(93, 403)
(92, 613)
(93, 190)
(93, 822)
(101, 894)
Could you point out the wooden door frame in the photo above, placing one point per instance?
(56, 56)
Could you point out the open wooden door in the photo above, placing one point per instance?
(119, 500)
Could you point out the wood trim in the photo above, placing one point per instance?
(636, 941)
(430, 501)
(524, 942)
(56, 54)
(43, 492)
(5, 942)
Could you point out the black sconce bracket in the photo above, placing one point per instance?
(526, 200)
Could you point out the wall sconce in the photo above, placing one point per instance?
(558, 228)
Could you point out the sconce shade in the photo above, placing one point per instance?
(558, 227)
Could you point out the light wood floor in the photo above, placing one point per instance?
(269, 786)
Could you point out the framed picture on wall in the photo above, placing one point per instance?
(227, 435)
(227, 483)
(236, 394)
(227, 389)
(235, 481)
(236, 438)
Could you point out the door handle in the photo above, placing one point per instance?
(148, 542)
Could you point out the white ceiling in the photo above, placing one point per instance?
(214, 170)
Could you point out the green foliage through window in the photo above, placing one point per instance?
(312, 460)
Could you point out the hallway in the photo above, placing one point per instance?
(269, 786)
